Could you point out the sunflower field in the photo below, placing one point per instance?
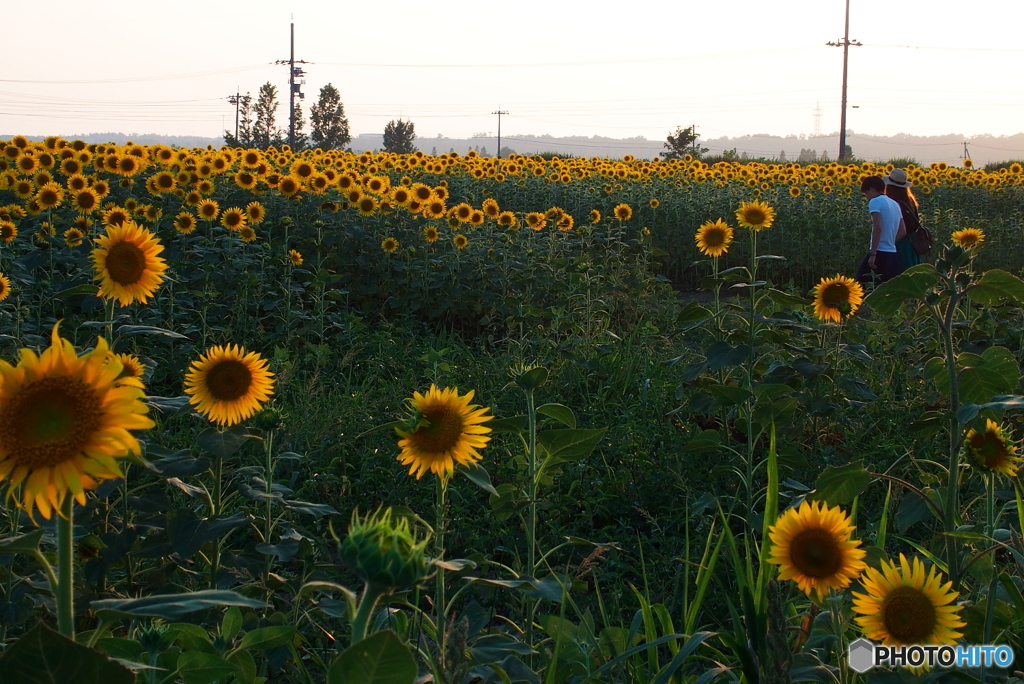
(276, 416)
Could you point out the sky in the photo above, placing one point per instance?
(558, 67)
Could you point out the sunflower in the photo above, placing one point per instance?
(992, 451)
(713, 238)
(50, 195)
(8, 231)
(73, 237)
(295, 257)
(228, 384)
(476, 218)
(434, 209)
(903, 606)
(302, 169)
(367, 206)
(448, 430)
(490, 208)
(85, 200)
(185, 223)
(389, 245)
(5, 287)
(127, 264)
(755, 215)
(208, 209)
(289, 186)
(255, 212)
(64, 419)
(400, 196)
(131, 366)
(431, 234)
(623, 212)
(441, 191)
(595, 216)
(837, 298)
(460, 241)
(164, 182)
(245, 180)
(968, 237)
(462, 212)
(655, 203)
(812, 546)
(794, 191)
(421, 192)
(566, 222)
(536, 220)
(507, 219)
(233, 218)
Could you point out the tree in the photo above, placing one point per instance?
(329, 126)
(683, 143)
(399, 136)
(264, 130)
(244, 138)
(301, 141)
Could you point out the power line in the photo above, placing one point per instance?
(194, 74)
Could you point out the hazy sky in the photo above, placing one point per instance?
(617, 69)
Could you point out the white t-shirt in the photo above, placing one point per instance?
(891, 215)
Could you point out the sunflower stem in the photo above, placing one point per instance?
(217, 493)
(953, 482)
(440, 607)
(990, 604)
(531, 528)
(750, 377)
(65, 588)
(109, 307)
(371, 595)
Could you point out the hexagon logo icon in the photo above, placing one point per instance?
(861, 655)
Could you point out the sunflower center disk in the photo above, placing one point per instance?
(835, 294)
(49, 421)
(909, 615)
(443, 433)
(228, 380)
(816, 553)
(126, 263)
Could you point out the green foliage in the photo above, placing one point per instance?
(682, 143)
(330, 130)
(42, 656)
(399, 137)
(379, 659)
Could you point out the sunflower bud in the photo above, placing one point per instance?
(384, 552)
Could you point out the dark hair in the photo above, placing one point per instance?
(901, 194)
(872, 183)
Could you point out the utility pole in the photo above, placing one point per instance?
(499, 113)
(845, 43)
(236, 100)
(967, 155)
(293, 87)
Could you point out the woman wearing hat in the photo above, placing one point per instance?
(897, 188)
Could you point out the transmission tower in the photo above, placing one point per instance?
(817, 119)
